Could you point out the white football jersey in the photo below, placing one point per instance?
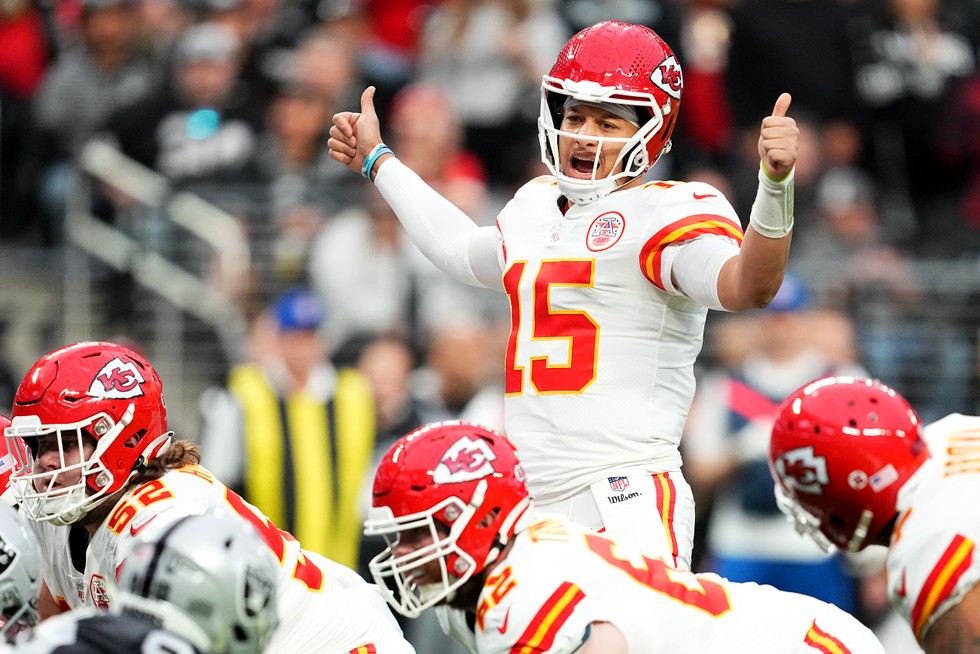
(600, 360)
(558, 578)
(323, 606)
(932, 560)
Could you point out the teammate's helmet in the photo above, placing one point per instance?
(20, 574)
(612, 63)
(841, 450)
(93, 395)
(7, 461)
(460, 483)
(207, 577)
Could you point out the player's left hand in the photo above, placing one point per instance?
(779, 140)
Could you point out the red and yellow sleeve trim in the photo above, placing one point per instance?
(365, 649)
(666, 502)
(821, 641)
(677, 232)
(540, 634)
(941, 582)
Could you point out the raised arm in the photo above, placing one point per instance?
(751, 279)
(445, 235)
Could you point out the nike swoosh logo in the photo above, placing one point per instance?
(133, 530)
(698, 196)
(503, 627)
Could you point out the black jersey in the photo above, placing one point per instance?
(84, 632)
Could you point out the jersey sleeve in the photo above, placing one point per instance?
(687, 213)
(554, 620)
(444, 234)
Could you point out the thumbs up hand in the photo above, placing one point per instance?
(779, 140)
(354, 135)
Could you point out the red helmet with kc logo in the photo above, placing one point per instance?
(840, 451)
(628, 70)
(461, 484)
(105, 404)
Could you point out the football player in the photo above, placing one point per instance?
(854, 468)
(609, 277)
(451, 501)
(202, 584)
(20, 573)
(101, 466)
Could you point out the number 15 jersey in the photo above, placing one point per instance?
(600, 360)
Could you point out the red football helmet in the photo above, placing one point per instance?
(463, 484)
(104, 404)
(612, 63)
(841, 450)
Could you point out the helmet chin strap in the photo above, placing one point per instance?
(861, 531)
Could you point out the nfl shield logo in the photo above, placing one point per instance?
(619, 484)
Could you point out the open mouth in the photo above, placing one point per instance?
(582, 164)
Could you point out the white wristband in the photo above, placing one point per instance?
(772, 211)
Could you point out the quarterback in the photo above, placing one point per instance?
(100, 466)
(854, 468)
(451, 500)
(609, 277)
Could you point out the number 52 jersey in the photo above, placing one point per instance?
(324, 607)
(559, 578)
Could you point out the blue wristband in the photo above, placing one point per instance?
(373, 157)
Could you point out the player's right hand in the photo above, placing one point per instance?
(353, 135)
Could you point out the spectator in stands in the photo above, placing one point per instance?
(906, 64)
(388, 362)
(726, 441)
(426, 131)
(489, 57)
(373, 280)
(462, 379)
(104, 73)
(292, 432)
(856, 267)
(202, 127)
(24, 54)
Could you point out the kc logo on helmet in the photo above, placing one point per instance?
(467, 459)
(803, 471)
(117, 380)
(668, 77)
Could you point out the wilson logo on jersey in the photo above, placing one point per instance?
(117, 380)
(605, 231)
(668, 77)
(465, 460)
(803, 471)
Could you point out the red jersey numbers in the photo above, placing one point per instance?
(305, 570)
(536, 315)
(683, 586)
(147, 494)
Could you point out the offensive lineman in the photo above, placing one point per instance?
(450, 498)
(609, 278)
(854, 468)
(101, 467)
